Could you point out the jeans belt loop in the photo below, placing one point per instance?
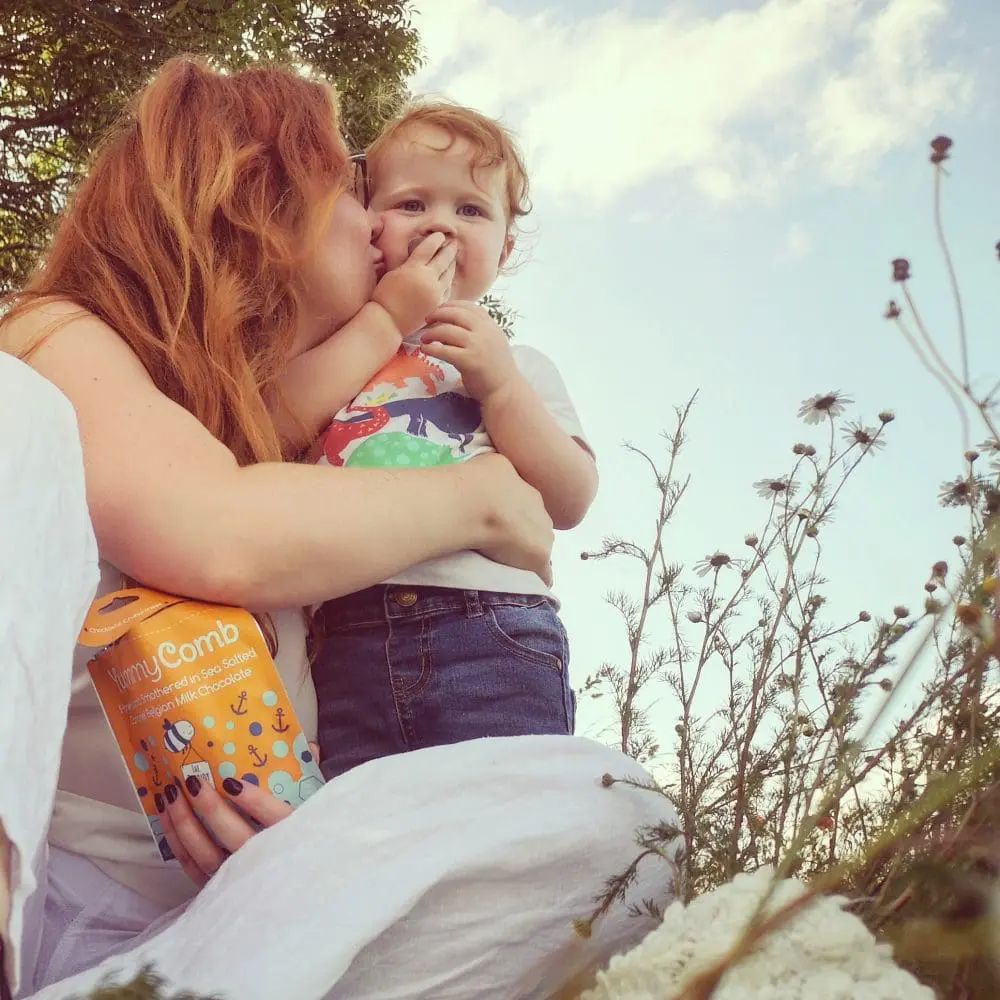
(473, 604)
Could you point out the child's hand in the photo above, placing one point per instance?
(466, 336)
(412, 291)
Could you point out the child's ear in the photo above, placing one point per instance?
(508, 249)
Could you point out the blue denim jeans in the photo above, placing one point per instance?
(401, 668)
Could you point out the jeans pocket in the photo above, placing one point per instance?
(532, 634)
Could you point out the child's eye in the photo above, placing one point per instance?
(411, 205)
(470, 210)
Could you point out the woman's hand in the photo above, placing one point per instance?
(186, 828)
(519, 530)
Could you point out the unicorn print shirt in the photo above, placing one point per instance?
(414, 414)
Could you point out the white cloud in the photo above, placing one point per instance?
(798, 242)
(736, 103)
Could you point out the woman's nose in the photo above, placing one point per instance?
(377, 224)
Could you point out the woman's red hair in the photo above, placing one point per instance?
(187, 235)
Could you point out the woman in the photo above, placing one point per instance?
(215, 239)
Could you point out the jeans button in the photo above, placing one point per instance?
(405, 598)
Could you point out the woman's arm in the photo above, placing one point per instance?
(172, 508)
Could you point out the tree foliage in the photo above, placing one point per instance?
(68, 67)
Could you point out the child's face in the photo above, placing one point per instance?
(422, 186)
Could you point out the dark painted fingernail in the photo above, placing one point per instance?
(232, 786)
(193, 784)
(171, 793)
(160, 804)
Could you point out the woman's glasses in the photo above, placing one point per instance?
(359, 180)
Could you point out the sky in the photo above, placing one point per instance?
(719, 187)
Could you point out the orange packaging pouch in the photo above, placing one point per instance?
(191, 689)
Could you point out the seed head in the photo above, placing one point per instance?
(940, 146)
(892, 310)
(901, 611)
(863, 616)
(900, 269)
(885, 684)
(959, 540)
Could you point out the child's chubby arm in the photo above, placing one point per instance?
(320, 382)
(521, 428)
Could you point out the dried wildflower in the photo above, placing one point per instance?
(751, 540)
(679, 729)
(933, 607)
(865, 437)
(808, 732)
(863, 616)
(930, 587)
(885, 684)
(607, 780)
(826, 823)
(714, 562)
(812, 531)
(803, 513)
(887, 416)
(900, 269)
(771, 489)
(975, 620)
(799, 448)
(990, 586)
(892, 310)
(940, 569)
(971, 456)
(959, 540)
(822, 406)
(939, 149)
(900, 611)
(956, 493)
(584, 555)
(694, 617)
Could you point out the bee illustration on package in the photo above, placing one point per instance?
(191, 689)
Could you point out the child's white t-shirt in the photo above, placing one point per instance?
(416, 413)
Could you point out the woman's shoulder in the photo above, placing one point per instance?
(56, 335)
(29, 323)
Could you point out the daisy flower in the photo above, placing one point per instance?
(818, 408)
(866, 437)
(771, 489)
(716, 561)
